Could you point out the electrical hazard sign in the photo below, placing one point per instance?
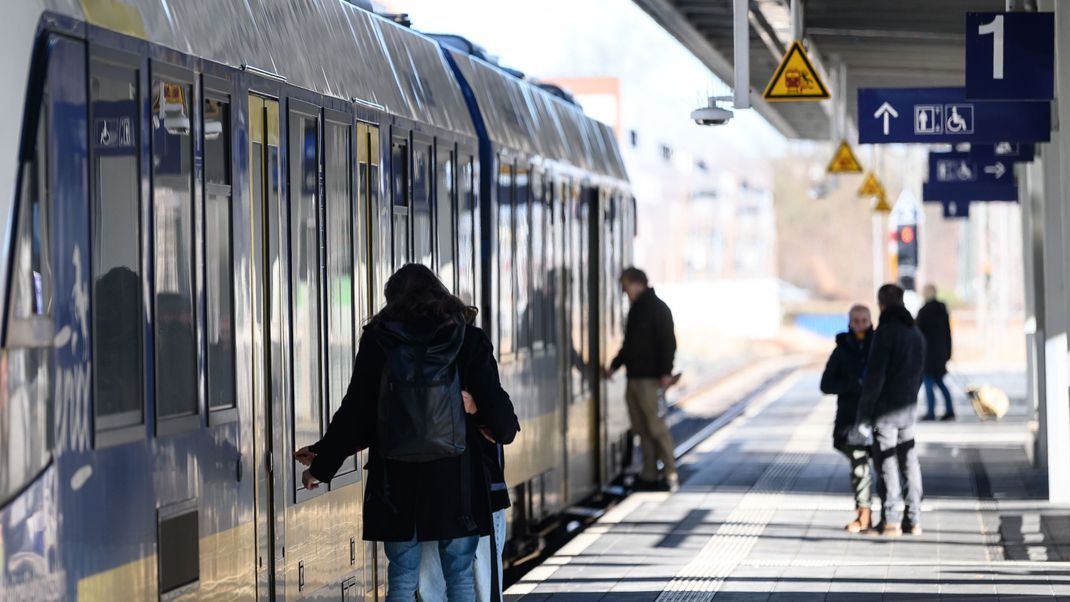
(871, 186)
(795, 78)
(844, 161)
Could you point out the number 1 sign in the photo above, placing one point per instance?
(1010, 56)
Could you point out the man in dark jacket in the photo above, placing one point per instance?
(935, 323)
(647, 354)
(843, 378)
(887, 409)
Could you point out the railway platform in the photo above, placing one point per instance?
(761, 511)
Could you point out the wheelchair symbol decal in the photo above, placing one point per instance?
(958, 118)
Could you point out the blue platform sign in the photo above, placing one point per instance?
(969, 191)
(1010, 56)
(934, 115)
(956, 209)
(967, 168)
(1015, 152)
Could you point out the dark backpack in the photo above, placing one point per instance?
(421, 412)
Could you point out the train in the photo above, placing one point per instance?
(202, 202)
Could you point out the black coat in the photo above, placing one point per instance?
(649, 339)
(935, 323)
(843, 378)
(427, 497)
(893, 372)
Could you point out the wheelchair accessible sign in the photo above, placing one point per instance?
(943, 115)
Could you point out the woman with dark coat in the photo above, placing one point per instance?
(843, 378)
(408, 502)
(935, 323)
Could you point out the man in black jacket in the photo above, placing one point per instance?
(647, 354)
(887, 409)
(935, 323)
(843, 378)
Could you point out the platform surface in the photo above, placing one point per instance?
(760, 517)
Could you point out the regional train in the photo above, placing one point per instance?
(201, 203)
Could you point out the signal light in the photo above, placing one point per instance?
(906, 234)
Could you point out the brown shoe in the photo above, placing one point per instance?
(861, 522)
(913, 530)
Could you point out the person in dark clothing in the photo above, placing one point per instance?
(445, 499)
(935, 323)
(886, 409)
(843, 378)
(647, 353)
(487, 566)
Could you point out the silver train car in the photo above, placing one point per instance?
(203, 201)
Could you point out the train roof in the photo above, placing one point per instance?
(329, 46)
(523, 117)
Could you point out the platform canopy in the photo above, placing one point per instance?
(881, 43)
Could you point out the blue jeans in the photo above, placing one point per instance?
(433, 586)
(930, 395)
(455, 556)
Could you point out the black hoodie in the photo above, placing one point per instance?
(843, 378)
(893, 373)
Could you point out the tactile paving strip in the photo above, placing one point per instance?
(703, 576)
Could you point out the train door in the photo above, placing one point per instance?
(265, 274)
(582, 416)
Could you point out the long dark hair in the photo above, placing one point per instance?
(414, 293)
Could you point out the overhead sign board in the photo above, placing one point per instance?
(956, 209)
(969, 191)
(795, 78)
(932, 115)
(871, 186)
(1015, 152)
(966, 168)
(844, 161)
(1010, 56)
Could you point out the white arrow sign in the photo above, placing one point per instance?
(997, 169)
(885, 110)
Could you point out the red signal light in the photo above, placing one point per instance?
(906, 234)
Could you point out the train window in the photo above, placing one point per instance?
(575, 283)
(551, 244)
(538, 266)
(172, 184)
(219, 273)
(522, 271)
(25, 425)
(304, 270)
(421, 203)
(506, 313)
(116, 258)
(340, 248)
(379, 233)
(466, 231)
(444, 210)
(587, 303)
(399, 160)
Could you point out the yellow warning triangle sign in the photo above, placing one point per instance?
(844, 161)
(882, 205)
(871, 186)
(796, 78)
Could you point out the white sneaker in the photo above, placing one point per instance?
(674, 483)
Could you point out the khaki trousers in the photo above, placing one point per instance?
(654, 437)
